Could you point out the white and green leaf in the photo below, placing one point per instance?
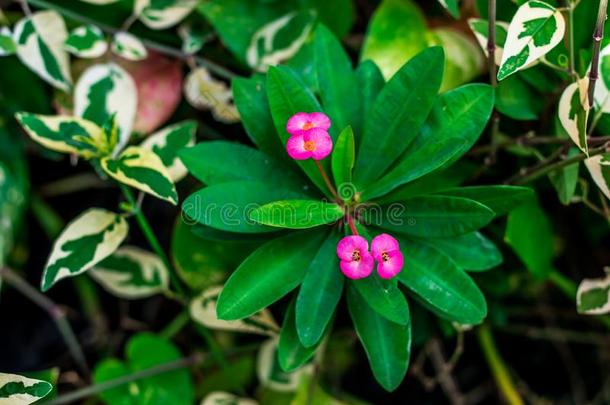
(599, 169)
(536, 28)
(128, 46)
(192, 39)
(86, 41)
(40, 46)
(161, 14)
(593, 296)
(86, 241)
(480, 29)
(574, 111)
(65, 134)
(132, 273)
(19, 390)
(271, 375)
(602, 87)
(452, 7)
(142, 169)
(278, 40)
(226, 398)
(167, 142)
(204, 92)
(100, 2)
(7, 44)
(203, 311)
(104, 91)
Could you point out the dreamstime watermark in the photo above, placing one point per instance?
(290, 214)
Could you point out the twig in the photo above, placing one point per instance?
(92, 390)
(25, 7)
(498, 367)
(167, 50)
(530, 139)
(55, 311)
(443, 375)
(598, 35)
(327, 181)
(491, 42)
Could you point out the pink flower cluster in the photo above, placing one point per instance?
(309, 136)
(357, 262)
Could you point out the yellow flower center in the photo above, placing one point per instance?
(309, 146)
(308, 125)
(385, 256)
(356, 255)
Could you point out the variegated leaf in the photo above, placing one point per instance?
(271, 375)
(100, 2)
(128, 46)
(18, 390)
(452, 7)
(536, 28)
(574, 111)
(279, 40)
(167, 142)
(87, 240)
(65, 134)
(480, 29)
(142, 169)
(132, 273)
(160, 14)
(593, 296)
(226, 398)
(40, 46)
(7, 44)
(192, 40)
(204, 92)
(203, 310)
(602, 86)
(105, 90)
(86, 41)
(599, 169)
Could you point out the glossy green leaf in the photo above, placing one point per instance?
(297, 214)
(319, 293)
(370, 82)
(433, 216)
(500, 199)
(271, 272)
(517, 100)
(343, 157)
(398, 114)
(384, 297)
(530, 234)
(452, 7)
(471, 251)
(439, 283)
(7, 44)
(292, 354)
(336, 79)
(387, 344)
(565, 180)
(227, 206)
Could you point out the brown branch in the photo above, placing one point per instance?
(491, 42)
(598, 35)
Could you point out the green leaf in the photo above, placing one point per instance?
(142, 169)
(7, 45)
(297, 214)
(336, 79)
(288, 96)
(398, 113)
(471, 251)
(517, 100)
(227, 206)
(384, 297)
(565, 180)
(370, 82)
(440, 284)
(167, 143)
(452, 7)
(143, 351)
(132, 273)
(292, 354)
(215, 162)
(13, 194)
(320, 292)
(500, 199)
(86, 41)
(18, 390)
(433, 216)
(387, 344)
(529, 233)
(343, 157)
(272, 271)
(593, 296)
(86, 240)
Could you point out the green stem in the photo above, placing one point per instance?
(152, 238)
(497, 366)
(176, 325)
(327, 181)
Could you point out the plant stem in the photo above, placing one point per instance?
(498, 367)
(598, 35)
(55, 311)
(176, 325)
(152, 238)
(350, 222)
(167, 50)
(571, 39)
(491, 42)
(327, 181)
(117, 382)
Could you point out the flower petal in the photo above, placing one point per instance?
(295, 123)
(319, 120)
(296, 148)
(358, 269)
(323, 143)
(347, 245)
(392, 266)
(383, 243)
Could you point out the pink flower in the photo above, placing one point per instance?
(356, 261)
(315, 144)
(301, 122)
(386, 251)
